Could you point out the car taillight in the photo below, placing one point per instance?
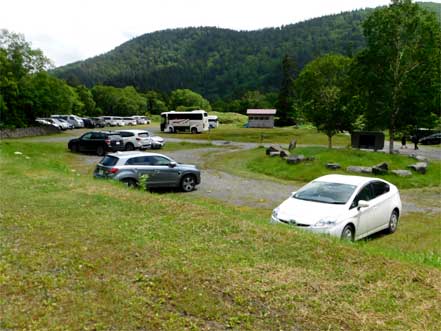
(107, 141)
(113, 171)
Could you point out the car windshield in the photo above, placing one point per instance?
(325, 192)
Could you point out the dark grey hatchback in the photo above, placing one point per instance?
(158, 170)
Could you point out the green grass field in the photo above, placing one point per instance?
(255, 163)
(83, 254)
(306, 136)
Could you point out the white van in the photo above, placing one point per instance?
(76, 121)
(213, 121)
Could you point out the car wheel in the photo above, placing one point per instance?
(348, 233)
(171, 130)
(100, 151)
(188, 183)
(129, 182)
(130, 147)
(393, 222)
(75, 148)
(194, 130)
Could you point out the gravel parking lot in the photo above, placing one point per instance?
(255, 193)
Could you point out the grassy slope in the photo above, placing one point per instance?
(80, 254)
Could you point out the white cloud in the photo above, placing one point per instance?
(69, 30)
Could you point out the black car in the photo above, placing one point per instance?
(99, 142)
(433, 139)
(89, 123)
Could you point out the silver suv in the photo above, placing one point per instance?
(159, 170)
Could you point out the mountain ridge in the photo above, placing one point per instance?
(219, 62)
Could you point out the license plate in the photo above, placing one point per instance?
(100, 172)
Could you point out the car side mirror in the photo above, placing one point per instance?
(363, 204)
(172, 164)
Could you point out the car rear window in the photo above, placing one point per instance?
(114, 136)
(109, 160)
(143, 135)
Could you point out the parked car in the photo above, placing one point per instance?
(99, 122)
(161, 171)
(61, 124)
(140, 139)
(119, 121)
(99, 142)
(44, 121)
(66, 123)
(109, 121)
(89, 123)
(349, 207)
(76, 121)
(433, 139)
(129, 121)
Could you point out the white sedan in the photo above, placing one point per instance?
(349, 207)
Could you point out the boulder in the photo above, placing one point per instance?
(361, 170)
(382, 165)
(292, 145)
(380, 169)
(284, 154)
(294, 159)
(333, 166)
(273, 148)
(402, 173)
(420, 167)
(419, 158)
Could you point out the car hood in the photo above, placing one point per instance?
(309, 212)
(187, 166)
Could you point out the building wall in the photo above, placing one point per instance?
(260, 121)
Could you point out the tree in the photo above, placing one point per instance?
(184, 99)
(86, 98)
(286, 99)
(42, 94)
(17, 62)
(399, 71)
(322, 87)
(155, 103)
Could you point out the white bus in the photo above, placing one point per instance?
(195, 121)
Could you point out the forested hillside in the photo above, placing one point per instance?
(220, 63)
(217, 63)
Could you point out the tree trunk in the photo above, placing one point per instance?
(329, 141)
(391, 140)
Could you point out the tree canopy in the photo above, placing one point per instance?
(322, 87)
(398, 73)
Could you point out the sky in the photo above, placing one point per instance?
(73, 30)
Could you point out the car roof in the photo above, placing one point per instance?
(133, 131)
(346, 179)
(127, 154)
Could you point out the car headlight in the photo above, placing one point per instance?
(275, 212)
(325, 223)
